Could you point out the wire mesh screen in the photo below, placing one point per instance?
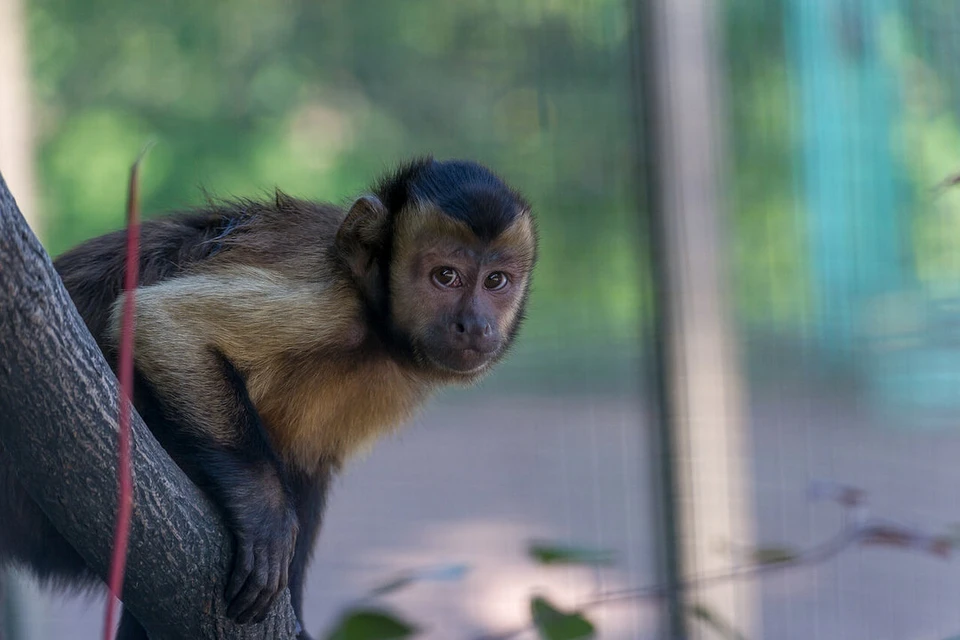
(843, 127)
(838, 236)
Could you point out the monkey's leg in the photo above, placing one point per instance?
(236, 466)
(311, 497)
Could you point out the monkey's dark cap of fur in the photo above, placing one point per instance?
(464, 190)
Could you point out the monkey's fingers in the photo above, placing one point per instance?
(280, 562)
(239, 607)
(285, 573)
(262, 565)
(277, 583)
(242, 568)
(264, 584)
(261, 587)
(272, 590)
(258, 612)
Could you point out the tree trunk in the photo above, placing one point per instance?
(58, 421)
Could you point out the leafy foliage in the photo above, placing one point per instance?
(547, 553)
(371, 624)
(317, 98)
(554, 624)
(774, 555)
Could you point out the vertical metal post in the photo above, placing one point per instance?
(704, 466)
(663, 472)
(16, 142)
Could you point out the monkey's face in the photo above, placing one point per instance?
(459, 298)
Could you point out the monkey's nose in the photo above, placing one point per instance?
(474, 333)
(472, 327)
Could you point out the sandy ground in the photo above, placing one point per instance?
(473, 486)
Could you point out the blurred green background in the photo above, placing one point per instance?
(318, 98)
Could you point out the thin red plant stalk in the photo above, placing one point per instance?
(125, 367)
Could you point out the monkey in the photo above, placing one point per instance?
(278, 338)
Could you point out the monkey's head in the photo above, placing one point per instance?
(444, 253)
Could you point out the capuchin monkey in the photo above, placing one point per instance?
(274, 340)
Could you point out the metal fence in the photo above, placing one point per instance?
(746, 312)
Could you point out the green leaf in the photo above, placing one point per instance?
(371, 624)
(723, 628)
(554, 624)
(547, 553)
(774, 555)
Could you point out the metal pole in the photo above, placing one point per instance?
(703, 460)
(662, 440)
(16, 132)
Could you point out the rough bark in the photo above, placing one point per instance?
(58, 420)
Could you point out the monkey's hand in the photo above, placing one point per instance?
(266, 540)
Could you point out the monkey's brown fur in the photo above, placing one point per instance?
(290, 320)
(276, 339)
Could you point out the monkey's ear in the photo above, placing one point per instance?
(363, 233)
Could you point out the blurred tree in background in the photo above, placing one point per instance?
(317, 98)
(918, 41)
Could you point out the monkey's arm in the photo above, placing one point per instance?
(190, 333)
(239, 471)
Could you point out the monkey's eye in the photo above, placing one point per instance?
(495, 281)
(447, 277)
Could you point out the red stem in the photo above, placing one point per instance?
(125, 488)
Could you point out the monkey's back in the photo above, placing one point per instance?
(257, 233)
(93, 272)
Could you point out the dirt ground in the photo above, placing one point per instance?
(473, 486)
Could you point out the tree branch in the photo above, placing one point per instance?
(58, 424)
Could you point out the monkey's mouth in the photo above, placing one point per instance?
(462, 361)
